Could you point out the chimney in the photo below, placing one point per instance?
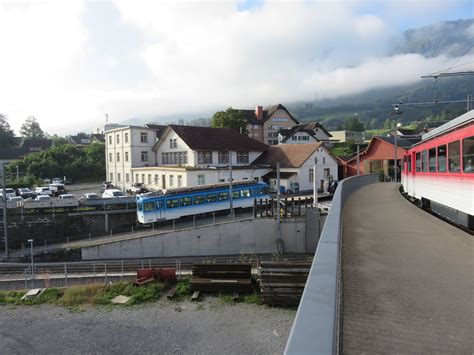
(259, 112)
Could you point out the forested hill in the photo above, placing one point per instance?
(373, 107)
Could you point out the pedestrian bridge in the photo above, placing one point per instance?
(387, 278)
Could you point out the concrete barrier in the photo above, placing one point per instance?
(248, 236)
(316, 326)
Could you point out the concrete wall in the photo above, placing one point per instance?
(250, 236)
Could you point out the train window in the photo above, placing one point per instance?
(172, 203)
(418, 162)
(424, 161)
(468, 154)
(185, 201)
(223, 196)
(211, 198)
(235, 195)
(409, 163)
(140, 206)
(263, 191)
(198, 200)
(245, 193)
(432, 160)
(442, 158)
(454, 157)
(149, 206)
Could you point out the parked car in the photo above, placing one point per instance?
(90, 199)
(113, 193)
(137, 188)
(8, 192)
(57, 189)
(106, 186)
(43, 190)
(68, 181)
(25, 192)
(43, 198)
(47, 181)
(15, 199)
(57, 181)
(66, 197)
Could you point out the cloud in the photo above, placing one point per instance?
(69, 64)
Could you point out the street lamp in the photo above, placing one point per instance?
(395, 163)
(17, 174)
(32, 261)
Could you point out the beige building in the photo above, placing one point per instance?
(348, 136)
(264, 124)
(128, 147)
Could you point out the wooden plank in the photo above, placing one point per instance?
(195, 296)
(171, 293)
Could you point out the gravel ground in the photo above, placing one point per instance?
(165, 327)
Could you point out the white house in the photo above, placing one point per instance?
(297, 166)
(128, 147)
(310, 132)
(190, 156)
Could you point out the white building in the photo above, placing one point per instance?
(128, 147)
(310, 132)
(297, 166)
(190, 156)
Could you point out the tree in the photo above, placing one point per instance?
(7, 136)
(354, 124)
(230, 119)
(31, 128)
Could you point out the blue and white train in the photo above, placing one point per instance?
(198, 200)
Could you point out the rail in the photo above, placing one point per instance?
(316, 326)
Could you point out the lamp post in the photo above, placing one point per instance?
(395, 162)
(32, 261)
(17, 174)
(315, 188)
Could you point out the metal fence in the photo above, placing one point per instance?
(316, 326)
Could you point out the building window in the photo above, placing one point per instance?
(126, 156)
(255, 126)
(149, 179)
(118, 138)
(324, 160)
(294, 138)
(201, 179)
(311, 175)
(468, 154)
(180, 180)
(110, 157)
(143, 178)
(173, 143)
(111, 177)
(280, 119)
(118, 177)
(156, 179)
(136, 178)
(178, 158)
(126, 137)
(242, 157)
(127, 177)
(144, 137)
(118, 157)
(204, 157)
(110, 139)
(144, 156)
(171, 180)
(223, 157)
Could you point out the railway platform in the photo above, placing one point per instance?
(407, 277)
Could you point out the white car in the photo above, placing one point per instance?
(66, 197)
(8, 192)
(113, 193)
(15, 199)
(43, 198)
(44, 190)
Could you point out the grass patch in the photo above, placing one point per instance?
(11, 297)
(251, 298)
(182, 289)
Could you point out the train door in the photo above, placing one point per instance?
(412, 176)
(160, 211)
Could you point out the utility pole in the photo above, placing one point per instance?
(5, 230)
(278, 201)
(315, 188)
(358, 160)
(230, 185)
(17, 174)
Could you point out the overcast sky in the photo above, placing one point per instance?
(70, 62)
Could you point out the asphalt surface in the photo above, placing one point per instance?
(408, 278)
(165, 327)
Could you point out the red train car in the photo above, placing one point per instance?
(439, 171)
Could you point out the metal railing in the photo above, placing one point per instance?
(317, 323)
